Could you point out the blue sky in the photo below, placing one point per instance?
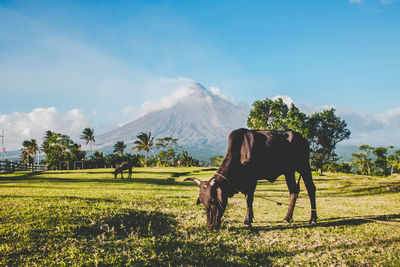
(96, 62)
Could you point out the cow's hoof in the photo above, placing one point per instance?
(287, 220)
(248, 225)
(313, 221)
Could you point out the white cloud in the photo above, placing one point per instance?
(390, 118)
(378, 129)
(179, 88)
(167, 101)
(286, 99)
(216, 91)
(310, 109)
(20, 126)
(356, 1)
(131, 111)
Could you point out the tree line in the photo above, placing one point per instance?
(376, 161)
(60, 149)
(324, 130)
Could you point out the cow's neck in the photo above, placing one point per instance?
(224, 169)
(225, 175)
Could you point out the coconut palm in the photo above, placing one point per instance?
(119, 148)
(144, 143)
(46, 139)
(88, 137)
(30, 148)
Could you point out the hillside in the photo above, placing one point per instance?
(201, 121)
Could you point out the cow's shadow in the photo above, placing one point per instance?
(330, 222)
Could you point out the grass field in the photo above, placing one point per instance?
(89, 218)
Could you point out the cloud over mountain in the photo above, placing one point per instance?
(193, 114)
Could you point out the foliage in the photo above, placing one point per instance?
(276, 115)
(29, 150)
(119, 148)
(88, 137)
(96, 161)
(217, 160)
(325, 130)
(80, 218)
(381, 163)
(167, 142)
(60, 148)
(377, 161)
(144, 142)
(168, 151)
(166, 157)
(342, 167)
(362, 160)
(394, 160)
(187, 160)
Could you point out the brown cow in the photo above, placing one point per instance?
(120, 167)
(257, 155)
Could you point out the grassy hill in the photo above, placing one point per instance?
(90, 218)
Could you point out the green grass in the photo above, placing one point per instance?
(90, 218)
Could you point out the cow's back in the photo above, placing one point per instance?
(270, 153)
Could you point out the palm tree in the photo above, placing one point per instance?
(46, 139)
(144, 143)
(88, 136)
(30, 148)
(119, 148)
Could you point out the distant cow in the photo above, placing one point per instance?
(120, 167)
(257, 155)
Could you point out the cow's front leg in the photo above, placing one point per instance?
(249, 216)
(249, 200)
(294, 190)
(292, 203)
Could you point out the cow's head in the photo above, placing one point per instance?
(213, 199)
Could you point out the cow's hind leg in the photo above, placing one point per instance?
(249, 200)
(308, 181)
(294, 189)
(130, 173)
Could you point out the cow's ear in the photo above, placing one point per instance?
(198, 201)
(247, 147)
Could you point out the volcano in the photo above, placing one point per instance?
(201, 120)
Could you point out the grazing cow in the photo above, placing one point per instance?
(257, 155)
(120, 167)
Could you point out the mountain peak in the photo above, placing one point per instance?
(196, 88)
(197, 116)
